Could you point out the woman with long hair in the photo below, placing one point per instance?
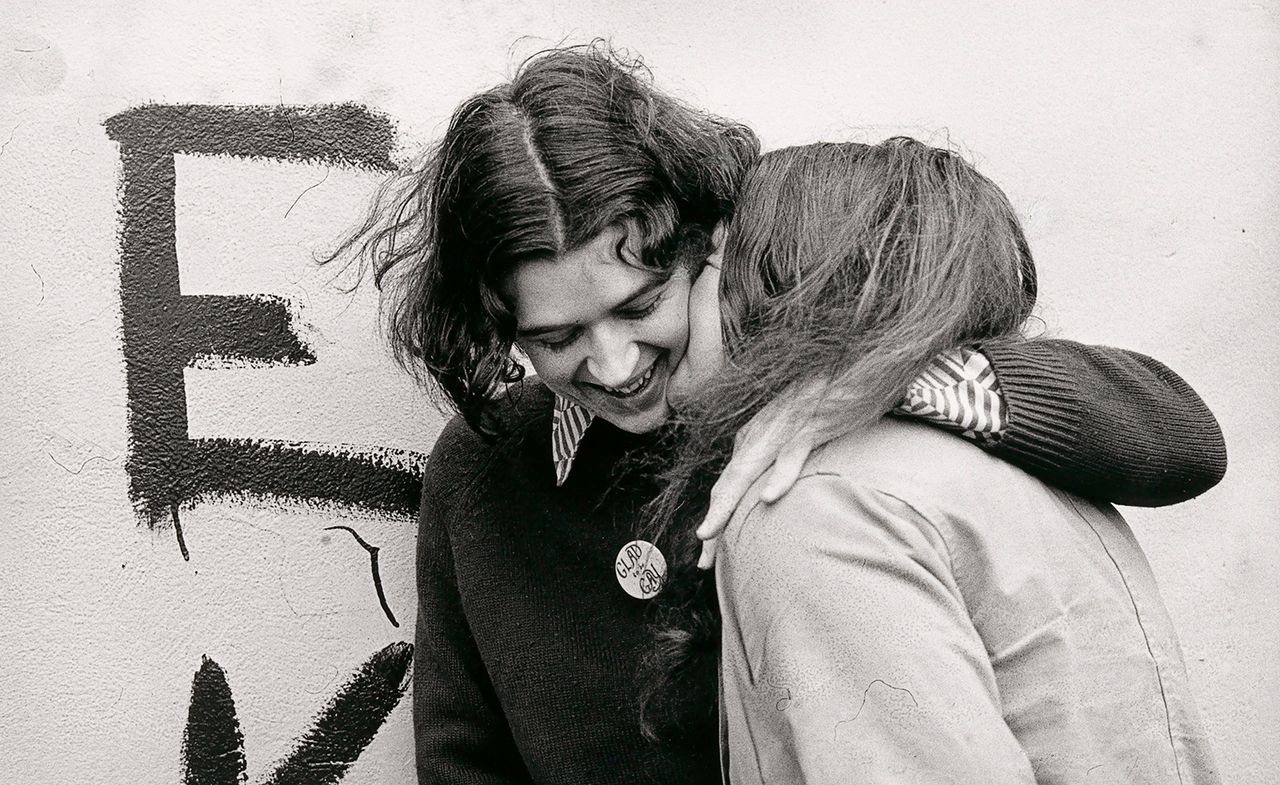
(564, 216)
(913, 610)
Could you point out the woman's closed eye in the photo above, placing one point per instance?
(641, 311)
(563, 339)
(558, 342)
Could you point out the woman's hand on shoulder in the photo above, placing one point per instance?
(774, 446)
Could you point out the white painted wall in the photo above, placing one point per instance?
(1139, 140)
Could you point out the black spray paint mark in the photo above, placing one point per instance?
(165, 331)
(346, 726)
(373, 565)
(212, 746)
(177, 530)
(213, 752)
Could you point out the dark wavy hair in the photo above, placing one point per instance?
(578, 139)
(847, 264)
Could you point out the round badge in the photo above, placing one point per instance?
(641, 569)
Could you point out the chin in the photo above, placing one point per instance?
(643, 422)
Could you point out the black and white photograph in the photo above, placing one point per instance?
(588, 392)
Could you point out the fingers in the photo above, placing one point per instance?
(743, 470)
(766, 439)
(719, 511)
(786, 470)
(707, 559)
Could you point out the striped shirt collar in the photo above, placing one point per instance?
(957, 391)
(569, 422)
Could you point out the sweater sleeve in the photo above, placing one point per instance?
(460, 731)
(1105, 423)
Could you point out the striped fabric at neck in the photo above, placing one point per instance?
(569, 422)
(958, 391)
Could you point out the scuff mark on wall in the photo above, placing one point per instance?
(13, 131)
(165, 331)
(373, 566)
(30, 64)
(307, 190)
(41, 277)
(82, 465)
(73, 453)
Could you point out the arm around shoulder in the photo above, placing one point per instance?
(1105, 423)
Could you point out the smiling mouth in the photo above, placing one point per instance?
(634, 387)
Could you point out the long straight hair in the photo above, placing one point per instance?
(849, 265)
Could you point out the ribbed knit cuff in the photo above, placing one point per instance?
(1043, 424)
(1144, 439)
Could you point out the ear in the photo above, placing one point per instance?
(522, 357)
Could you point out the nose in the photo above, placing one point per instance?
(613, 359)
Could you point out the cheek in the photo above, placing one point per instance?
(555, 369)
(678, 322)
(706, 349)
(705, 353)
(668, 327)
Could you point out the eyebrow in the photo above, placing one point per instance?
(535, 332)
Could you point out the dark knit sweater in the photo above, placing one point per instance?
(527, 647)
(1105, 423)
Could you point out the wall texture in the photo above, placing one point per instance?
(208, 463)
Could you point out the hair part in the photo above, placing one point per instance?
(846, 264)
(578, 140)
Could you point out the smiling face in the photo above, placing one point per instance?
(601, 330)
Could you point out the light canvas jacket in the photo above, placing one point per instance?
(916, 611)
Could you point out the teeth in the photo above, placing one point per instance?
(636, 385)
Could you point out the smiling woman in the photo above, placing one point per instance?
(603, 330)
(564, 214)
(544, 168)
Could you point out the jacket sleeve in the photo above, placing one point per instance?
(1105, 423)
(460, 732)
(849, 655)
